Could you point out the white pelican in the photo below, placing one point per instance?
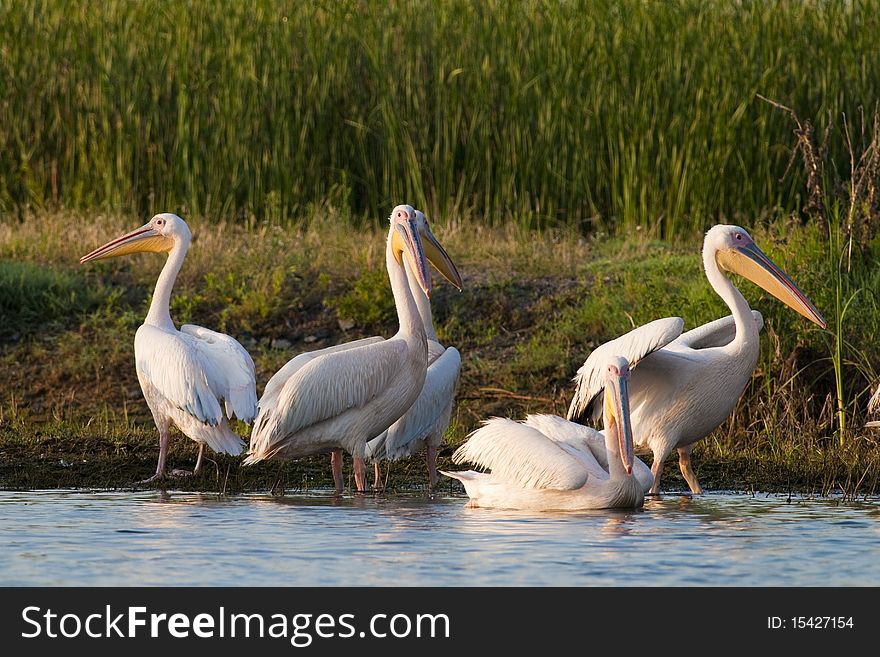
(685, 385)
(873, 407)
(424, 424)
(185, 375)
(558, 472)
(342, 397)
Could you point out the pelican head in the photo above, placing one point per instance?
(435, 253)
(736, 251)
(159, 235)
(406, 241)
(617, 408)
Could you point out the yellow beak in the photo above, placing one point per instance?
(752, 263)
(406, 242)
(144, 239)
(438, 257)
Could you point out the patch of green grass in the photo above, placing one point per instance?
(368, 302)
(32, 296)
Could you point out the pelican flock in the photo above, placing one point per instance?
(654, 388)
(426, 420)
(684, 385)
(340, 399)
(188, 377)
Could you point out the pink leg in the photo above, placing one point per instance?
(472, 504)
(336, 465)
(186, 473)
(431, 457)
(360, 474)
(164, 438)
(198, 469)
(377, 476)
(657, 471)
(687, 469)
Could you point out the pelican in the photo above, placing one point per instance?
(873, 407)
(535, 471)
(342, 397)
(426, 420)
(685, 385)
(185, 375)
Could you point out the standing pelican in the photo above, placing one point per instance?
(185, 375)
(685, 385)
(426, 420)
(559, 472)
(340, 398)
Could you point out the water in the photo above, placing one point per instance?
(155, 538)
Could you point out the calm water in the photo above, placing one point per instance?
(154, 538)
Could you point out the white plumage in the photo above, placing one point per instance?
(685, 385)
(547, 463)
(424, 424)
(193, 378)
(339, 398)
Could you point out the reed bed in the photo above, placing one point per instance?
(616, 114)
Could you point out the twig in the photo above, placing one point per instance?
(500, 392)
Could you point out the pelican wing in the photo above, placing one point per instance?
(177, 370)
(635, 345)
(714, 334)
(229, 370)
(401, 438)
(435, 350)
(276, 383)
(323, 388)
(874, 405)
(585, 443)
(588, 440)
(522, 455)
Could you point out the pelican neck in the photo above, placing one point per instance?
(159, 314)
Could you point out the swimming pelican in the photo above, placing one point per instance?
(424, 424)
(341, 398)
(535, 471)
(685, 385)
(185, 375)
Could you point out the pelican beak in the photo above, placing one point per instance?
(752, 263)
(618, 386)
(406, 242)
(438, 257)
(145, 238)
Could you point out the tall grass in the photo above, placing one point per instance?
(618, 113)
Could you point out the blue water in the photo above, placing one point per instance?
(155, 538)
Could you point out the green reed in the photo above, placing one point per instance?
(619, 113)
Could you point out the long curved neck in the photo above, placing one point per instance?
(407, 311)
(160, 314)
(746, 329)
(422, 303)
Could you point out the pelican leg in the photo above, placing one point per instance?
(164, 438)
(377, 476)
(360, 474)
(431, 458)
(198, 469)
(687, 469)
(336, 465)
(657, 471)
